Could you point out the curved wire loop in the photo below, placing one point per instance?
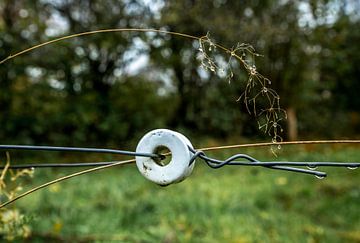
(278, 165)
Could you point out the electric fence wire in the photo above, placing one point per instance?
(211, 162)
(76, 149)
(278, 165)
(71, 149)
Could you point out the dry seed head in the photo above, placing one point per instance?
(255, 88)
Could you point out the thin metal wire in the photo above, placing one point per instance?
(216, 164)
(213, 163)
(197, 152)
(76, 149)
(71, 149)
(279, 165)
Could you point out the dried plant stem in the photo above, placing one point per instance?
(63, 179)
(104, 31)
(256, 88)
(7, 165)
(280, 143)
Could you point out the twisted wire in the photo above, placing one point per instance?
(278, 165)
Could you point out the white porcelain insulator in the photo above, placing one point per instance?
(177, 169)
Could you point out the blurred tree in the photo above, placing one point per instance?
(67, 87)
(280, 30)
(334, 28)
(200, 105)
(91, 66)
(20, 25)
(271, 26)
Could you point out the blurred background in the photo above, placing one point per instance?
(109, 89)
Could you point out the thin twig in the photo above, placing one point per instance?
(105, 31)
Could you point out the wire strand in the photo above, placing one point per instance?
(201, 149)
(76, 149)
(216, 164)
(162, 156)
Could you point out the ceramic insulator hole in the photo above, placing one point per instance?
(165, 155)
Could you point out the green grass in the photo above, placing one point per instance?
(233, 204)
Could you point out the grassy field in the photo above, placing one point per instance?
(233, 204)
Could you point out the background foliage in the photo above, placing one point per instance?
(87, 90)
